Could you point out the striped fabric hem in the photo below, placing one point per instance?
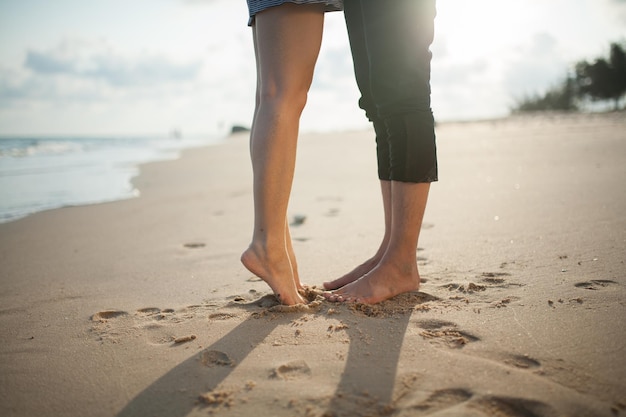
(256, 6)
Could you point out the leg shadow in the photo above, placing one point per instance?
(175, 394)
(368, 379)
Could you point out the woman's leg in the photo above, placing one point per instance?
(292, 257)
(287, 42)
(290, 251)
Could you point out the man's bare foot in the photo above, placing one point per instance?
(380, 284)
(353, 275)
(278, 275)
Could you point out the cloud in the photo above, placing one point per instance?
(530, 76)
(47, 64)
(87, 61)
(80, 73)
(617, 10)
(455, 75)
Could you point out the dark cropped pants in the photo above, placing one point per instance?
(390, 43)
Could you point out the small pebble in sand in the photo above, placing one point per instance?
(291, 370)
(217, 398)
(184, 339)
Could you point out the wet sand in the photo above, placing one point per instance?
(141, 307)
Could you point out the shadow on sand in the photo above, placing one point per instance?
(367, 380)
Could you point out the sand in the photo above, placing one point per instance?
(141, 307)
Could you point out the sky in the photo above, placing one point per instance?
(119, 67)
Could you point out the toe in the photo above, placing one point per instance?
(329, 296)
(334, 298)
(350, 299)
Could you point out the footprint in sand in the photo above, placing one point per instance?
(442, 399)
(400, 304)
(445, 333)
(511, 407)
(194, 245)
(494, 278)
(485, 283)
(298, 220)
(211, 358)
(152, 322)
(595, 284)
(495, 274)
(522, 362)
(291, 370)
(109, 325)
(470, 288)
(149, 311)
(106, 315)
(221, 316)
(150, 316)
(333, 212)
(434, 324)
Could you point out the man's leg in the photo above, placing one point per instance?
(396, 273)
(354, 22)
(398, 35)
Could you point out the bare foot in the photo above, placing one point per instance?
(278, 275)
(380, 284)
(296, 276)
(353, 275)
(292, 260)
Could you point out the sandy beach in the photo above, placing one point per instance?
(141, 307)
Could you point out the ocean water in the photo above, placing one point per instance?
(42, 173)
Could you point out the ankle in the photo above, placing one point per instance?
(272, 253)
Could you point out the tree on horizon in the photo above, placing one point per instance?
(603, 79)
(600, 80)
(561, 97)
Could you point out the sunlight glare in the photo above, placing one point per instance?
(467, 29)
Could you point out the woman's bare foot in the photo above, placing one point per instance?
(294, 272)
(380, 284)
(276, 273)
(353, 275)
(292, 258)
(296, 280)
